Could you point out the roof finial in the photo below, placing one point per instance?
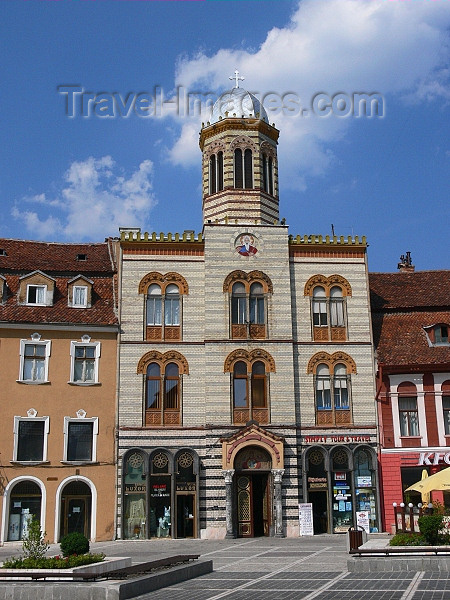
(237, 78)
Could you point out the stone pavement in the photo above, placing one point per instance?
(311, 568)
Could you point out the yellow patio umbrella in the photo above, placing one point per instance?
(438, 481)
(426, 496)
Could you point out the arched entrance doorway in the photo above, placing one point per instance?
(25, 503)
(253, 498)
(75, 515)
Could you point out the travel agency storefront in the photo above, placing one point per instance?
(341, 481)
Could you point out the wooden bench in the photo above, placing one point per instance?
(404, 550)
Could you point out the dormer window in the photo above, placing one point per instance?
(437, 334)
(80, 296)
(36, 294)
(81, 256)
(79, 292)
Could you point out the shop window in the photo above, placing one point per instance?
(135, 497)
(85, 357)
(163, 305)
(163, 397)
(250, 399)
(30, 438)
(328, 307)
(34, 358)
(160, 517)
(248, 304)
(365, 486)
(342, 491)
(80, 437)
(332, 395)
(25, 504)
(186, 488)
(408, 416)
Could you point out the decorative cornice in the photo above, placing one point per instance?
(249, 278)
(249, 356)
(233, 124)
(331, 360)
(163, 281)
(163, 359)
(327, 283)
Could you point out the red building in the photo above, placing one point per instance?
(411, 321)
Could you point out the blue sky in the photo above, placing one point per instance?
(80, 178)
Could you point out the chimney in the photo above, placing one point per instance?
(405, 265)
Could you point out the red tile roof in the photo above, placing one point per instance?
(402, 305)
(60, 262)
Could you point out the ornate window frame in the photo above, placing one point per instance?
(261, 414)
(160, 332)
(335, 308)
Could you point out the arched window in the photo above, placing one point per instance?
(243, 168)
(257, 304)
(328, 307)
(332, 392)
(336, 307)
(238, 169)
(216, 172)
(320, 314)
(250, 392)
(248, 304)
(162, 398)
(248, 169)
(172, 305)
(163, 305)
(267, 173)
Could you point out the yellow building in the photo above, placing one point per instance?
(58, 341)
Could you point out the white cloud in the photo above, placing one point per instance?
(94, 202)
(394, 48)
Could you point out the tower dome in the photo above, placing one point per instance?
(238, 103)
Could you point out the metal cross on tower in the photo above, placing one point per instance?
(237, 78)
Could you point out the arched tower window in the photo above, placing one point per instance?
(238, 170)
(267, 174)
(163, 398)
(250, 399)
(328, 307)
(248, 169)
(216, 172)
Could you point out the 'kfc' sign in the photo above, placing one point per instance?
(433, 458)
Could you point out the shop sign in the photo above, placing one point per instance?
(433, 458)
(333, 439)
(340, 476)
(135, 488)
(362, 520)
(159, 490)
(364, 481)
(305, 516)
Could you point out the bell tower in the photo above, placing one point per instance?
(239, 161)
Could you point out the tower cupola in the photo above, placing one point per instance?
(240, 166)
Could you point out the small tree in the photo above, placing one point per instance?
(34, 544)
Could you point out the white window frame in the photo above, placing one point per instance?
(17, 420)
(37, 285)
(78, 419)
(85, 289)
(85, 342)
(34, 340)
(417, 380)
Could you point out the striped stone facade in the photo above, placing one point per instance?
(258, 462)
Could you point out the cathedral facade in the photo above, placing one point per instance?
(246, 367)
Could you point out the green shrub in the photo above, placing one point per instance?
(74, 543)
(408, 539)
(52, 562)
(430, 526)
